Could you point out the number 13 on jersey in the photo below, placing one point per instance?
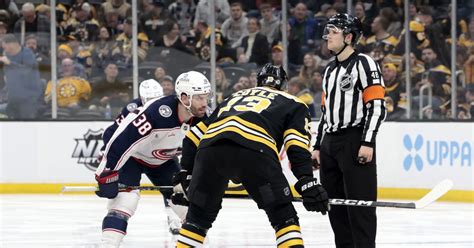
(250, 103)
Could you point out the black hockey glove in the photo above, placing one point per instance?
(181, 182)
(315, 197)
(108, 184)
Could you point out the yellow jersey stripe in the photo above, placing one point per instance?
(295, 132)
(202, 127)
(243, 134)
(241, 121)
(291, 243)
(288, 229)
(296, 143)
(193, 138)
(181, 245)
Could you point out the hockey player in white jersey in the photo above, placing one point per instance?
(146, 142)
(148, 90)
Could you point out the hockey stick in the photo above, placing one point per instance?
(94, 188)
(439, 190)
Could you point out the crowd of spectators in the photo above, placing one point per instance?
(95, 53)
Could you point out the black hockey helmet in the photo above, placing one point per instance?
(272, 76)
(345, 23)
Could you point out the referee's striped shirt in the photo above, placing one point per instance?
(353, 95)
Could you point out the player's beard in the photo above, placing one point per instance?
(198, 112)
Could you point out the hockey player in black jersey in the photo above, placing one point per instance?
(241, 141)
(146, 142)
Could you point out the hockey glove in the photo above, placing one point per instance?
(181, 182)
(315, 197)
(108, 184)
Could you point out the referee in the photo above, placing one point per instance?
(353, 109)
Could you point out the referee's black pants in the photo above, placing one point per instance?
(343, 177)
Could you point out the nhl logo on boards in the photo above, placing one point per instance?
(346, 83)
(87, 149)
(165, 111)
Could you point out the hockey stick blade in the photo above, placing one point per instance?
(439, 190)
(94, 188)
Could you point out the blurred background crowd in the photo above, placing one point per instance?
(94, 52)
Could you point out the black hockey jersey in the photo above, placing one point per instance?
(261, 119)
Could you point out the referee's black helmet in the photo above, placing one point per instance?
(272, 76)
(347, 24)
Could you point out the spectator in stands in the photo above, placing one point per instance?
(438, 77)
(110, 89)
(42, 58)
(394, 91)
(359, 12)
(323, 55)
(303, 27)
(45, 10)
(160, 73)
(277, 55)
(203, 50)
(82, 25)
(316, 90)
(466, 103)
(254, 46)
(84, 58)
(153, 20)
(412, 10)
(395, 26)
(102, 48)
(3, 32)
(168, 85)
(306, 71)
(122, 51)
(65, 52)
(469, 67)
(112, 21)
(223, 86)
(72, 92)
(33, 24)
(6, 18)
(123, 8)
(269, 24)
(22, 79)
(418, 41)
(295, 57)
(183, 11)
(467, 39)
(381, 43)
(10, 7)
(172, 38)
(202, 14)
(235, 27)
(297, 87)
(242, 83)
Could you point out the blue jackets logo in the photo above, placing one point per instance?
(425, 153)
(87, 149)
(413, 158)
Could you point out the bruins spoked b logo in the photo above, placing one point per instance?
(87, 149)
